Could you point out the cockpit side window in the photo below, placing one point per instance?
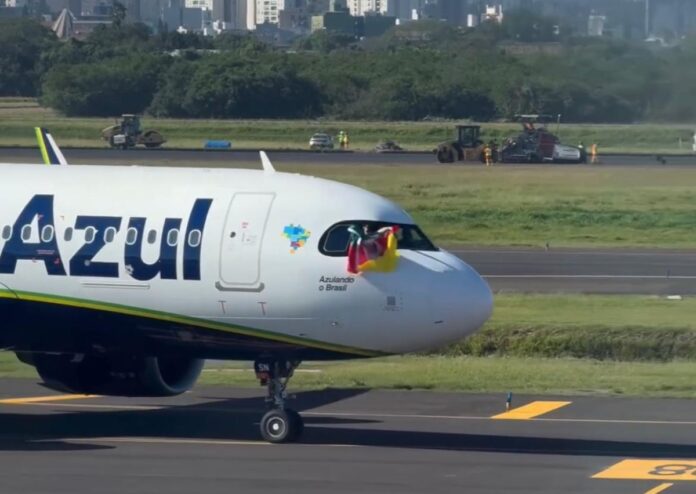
(336, 240)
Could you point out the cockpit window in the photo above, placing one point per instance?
(336, 240)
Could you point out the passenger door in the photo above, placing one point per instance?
(242, 239)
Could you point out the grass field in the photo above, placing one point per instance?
(494, 374)
(627, 328)
(19, 116)
(576, 318)
(528, 206)
(468, 374)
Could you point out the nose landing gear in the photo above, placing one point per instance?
(279, 424)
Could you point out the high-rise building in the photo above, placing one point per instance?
(404, 9)
(362, 7)
(150, 11)
(199, 4)
(132, 10)
(223, 10)
(267, 11)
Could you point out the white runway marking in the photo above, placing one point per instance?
(574, 253)
(592, 276)
(202, 408)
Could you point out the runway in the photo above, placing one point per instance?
(355, 441)
(603, 271)
(181, 157)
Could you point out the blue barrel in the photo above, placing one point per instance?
(217, 144)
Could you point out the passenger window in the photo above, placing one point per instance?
(194, 238)
(151, 237)
(6, 232)
(90, 234)
(172, 237)
(68, 234)
(26, 233)
(47, 233)
(131, 236)
(109, 234)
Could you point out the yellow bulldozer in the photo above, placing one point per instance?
(128, 133)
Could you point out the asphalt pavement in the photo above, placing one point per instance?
(602, 271)
(179, 157)
(366, 441)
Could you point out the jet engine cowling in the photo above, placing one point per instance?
(116, 376)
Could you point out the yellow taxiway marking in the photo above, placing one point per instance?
(43, 399)
(659, 488)
(650, 470)
(531, 410)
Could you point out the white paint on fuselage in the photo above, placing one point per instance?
(431, 299)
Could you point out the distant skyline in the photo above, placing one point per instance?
(630, 19)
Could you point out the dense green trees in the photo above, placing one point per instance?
(415, 71)
(22, 44)
(119, 85)
(229, 87)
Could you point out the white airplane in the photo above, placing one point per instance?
(119, 280)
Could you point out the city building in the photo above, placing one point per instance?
(198, 4)
(343, 22)
(132, 10)
(362, 7)
(405, 10)
(67, 25)
(296, 20)
(267, 11)
(57, 6)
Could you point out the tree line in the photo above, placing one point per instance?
(415, 71)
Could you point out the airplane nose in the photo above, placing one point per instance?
(464, 303)
(477, 305)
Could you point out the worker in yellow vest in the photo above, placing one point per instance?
(593, 153)
(488, 155)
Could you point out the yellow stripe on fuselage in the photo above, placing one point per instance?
(192, 321)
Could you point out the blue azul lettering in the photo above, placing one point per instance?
(81, 263)
(165, 265)
(40, 207)
(192, 253)
(42, 245)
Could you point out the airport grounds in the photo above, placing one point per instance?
(547, 343)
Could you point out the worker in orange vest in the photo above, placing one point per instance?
(593, 154)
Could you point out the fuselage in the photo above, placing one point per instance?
(219, 263)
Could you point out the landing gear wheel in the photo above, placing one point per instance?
(281, 426)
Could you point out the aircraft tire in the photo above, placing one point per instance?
(281, 426)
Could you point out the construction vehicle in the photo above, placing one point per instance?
(535, 144)
(467, 147)
(128, 133)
